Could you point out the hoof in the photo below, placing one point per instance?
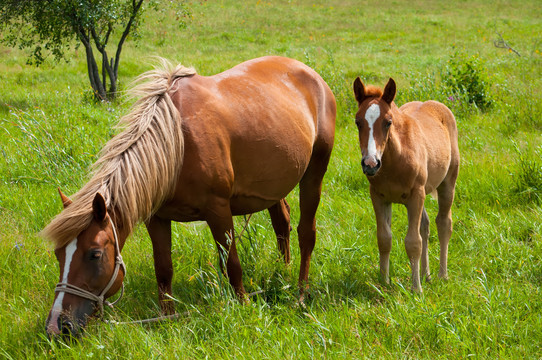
(244, 298)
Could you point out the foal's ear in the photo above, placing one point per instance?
(65, 200)
(389, 91)
(359, 90)
(99, 209)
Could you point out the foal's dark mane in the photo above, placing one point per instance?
(373, 91)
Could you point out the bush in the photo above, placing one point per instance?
(467, 77)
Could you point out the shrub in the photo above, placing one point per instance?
(467, 77)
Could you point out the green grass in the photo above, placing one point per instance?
(50, 132)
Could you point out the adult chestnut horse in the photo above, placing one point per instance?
(196, 148)
(408, 152)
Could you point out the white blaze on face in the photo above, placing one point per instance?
(69, 251)
(372, 114)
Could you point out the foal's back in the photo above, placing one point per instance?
(439, 135)
(432, 116)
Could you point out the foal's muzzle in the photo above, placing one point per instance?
(368, 169)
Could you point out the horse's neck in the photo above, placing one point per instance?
(122, 231)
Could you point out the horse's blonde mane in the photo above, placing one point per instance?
(137, 169)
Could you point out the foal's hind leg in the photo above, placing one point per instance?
(444, 223)
(424, 232)
(280, 218)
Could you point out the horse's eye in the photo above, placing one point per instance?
(95, 254)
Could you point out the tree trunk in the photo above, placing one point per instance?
(93, 73)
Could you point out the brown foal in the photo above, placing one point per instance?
(407, 153)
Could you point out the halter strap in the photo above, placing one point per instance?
(100, 299)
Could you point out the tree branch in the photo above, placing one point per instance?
(136, 5)
(501, 44)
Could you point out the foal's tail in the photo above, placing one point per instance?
(138, 168)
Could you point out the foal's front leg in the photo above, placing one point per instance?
(160, 233)
(383, 233)
(413, 240)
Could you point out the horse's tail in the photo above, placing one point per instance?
(137, 169)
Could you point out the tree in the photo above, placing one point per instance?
(55, 25)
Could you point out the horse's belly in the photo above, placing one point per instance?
(241, 205)
(261, 183)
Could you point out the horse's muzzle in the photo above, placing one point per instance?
(62, 327)
(368, 169)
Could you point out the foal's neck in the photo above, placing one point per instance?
(397, 132)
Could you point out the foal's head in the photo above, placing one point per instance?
(374, 120)
(89, 272)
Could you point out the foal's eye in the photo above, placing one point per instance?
(388, 123)
(95, 254)
(358, 123)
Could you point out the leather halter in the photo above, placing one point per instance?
(100, 299)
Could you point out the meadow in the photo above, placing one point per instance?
(51, 131)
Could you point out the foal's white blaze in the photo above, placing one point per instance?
(70, 250)
(372, 114)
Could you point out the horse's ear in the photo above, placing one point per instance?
(389, 91)
(65, 200)
(359, 90)
(99, 209)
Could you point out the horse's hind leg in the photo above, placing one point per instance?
(424, 232)
(280, 218)
(310, 188)
(444, 223)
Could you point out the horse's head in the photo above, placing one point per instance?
(374, 120)
(89, 272)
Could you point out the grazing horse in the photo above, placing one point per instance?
(407, 153)
(195, 148)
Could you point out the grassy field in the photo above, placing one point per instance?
(51, 131)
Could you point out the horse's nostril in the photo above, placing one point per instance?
(67, 327)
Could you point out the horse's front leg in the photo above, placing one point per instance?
(160, 233)
(220, 221)
(413, 240)
(383, 234)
